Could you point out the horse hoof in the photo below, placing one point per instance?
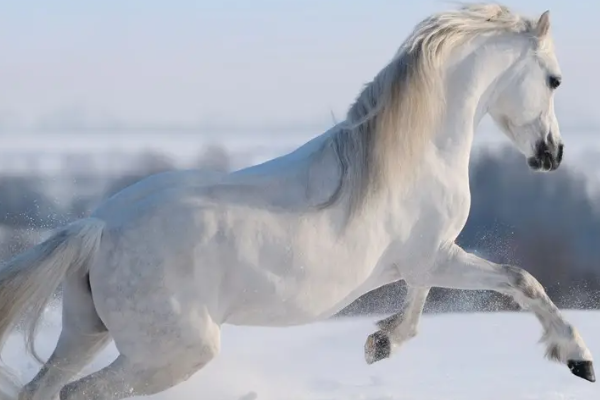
(377, 347)
(582, 369)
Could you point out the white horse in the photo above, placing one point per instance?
(378, 198)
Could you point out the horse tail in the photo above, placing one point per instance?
(29, 280)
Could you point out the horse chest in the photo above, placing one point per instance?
(437, 213)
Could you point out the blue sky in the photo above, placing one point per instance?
(233, 62)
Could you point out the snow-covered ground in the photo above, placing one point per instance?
(455, 357)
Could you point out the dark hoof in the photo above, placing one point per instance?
(582, 369)
(377, 347)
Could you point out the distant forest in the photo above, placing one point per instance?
(545, 223)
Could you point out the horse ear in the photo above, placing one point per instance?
(543, 25)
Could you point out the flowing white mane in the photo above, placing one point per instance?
(396, 113)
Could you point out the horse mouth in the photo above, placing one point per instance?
(543, 164)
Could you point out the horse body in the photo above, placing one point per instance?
(292, 283)
(278, 252)
(380, 197)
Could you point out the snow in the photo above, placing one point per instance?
(480, 356)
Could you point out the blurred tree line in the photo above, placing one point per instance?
(545, 223)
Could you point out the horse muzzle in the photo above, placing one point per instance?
(547, 157)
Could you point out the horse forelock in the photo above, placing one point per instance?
(397, 113)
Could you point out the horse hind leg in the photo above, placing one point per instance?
(124, 378)
(73, 352)
(83, 336)
(153, 367)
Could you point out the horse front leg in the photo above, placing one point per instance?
(398, 328)
(457, 269)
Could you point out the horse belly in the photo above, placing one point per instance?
(303, 294)
(294, 307)
(284, 301)
(281, 285)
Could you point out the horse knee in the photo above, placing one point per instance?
(523, 282)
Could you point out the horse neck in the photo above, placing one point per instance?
(471, 83)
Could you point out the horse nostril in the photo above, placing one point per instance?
(542, 149)
(559, 155)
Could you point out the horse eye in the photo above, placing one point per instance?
(554, 82)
